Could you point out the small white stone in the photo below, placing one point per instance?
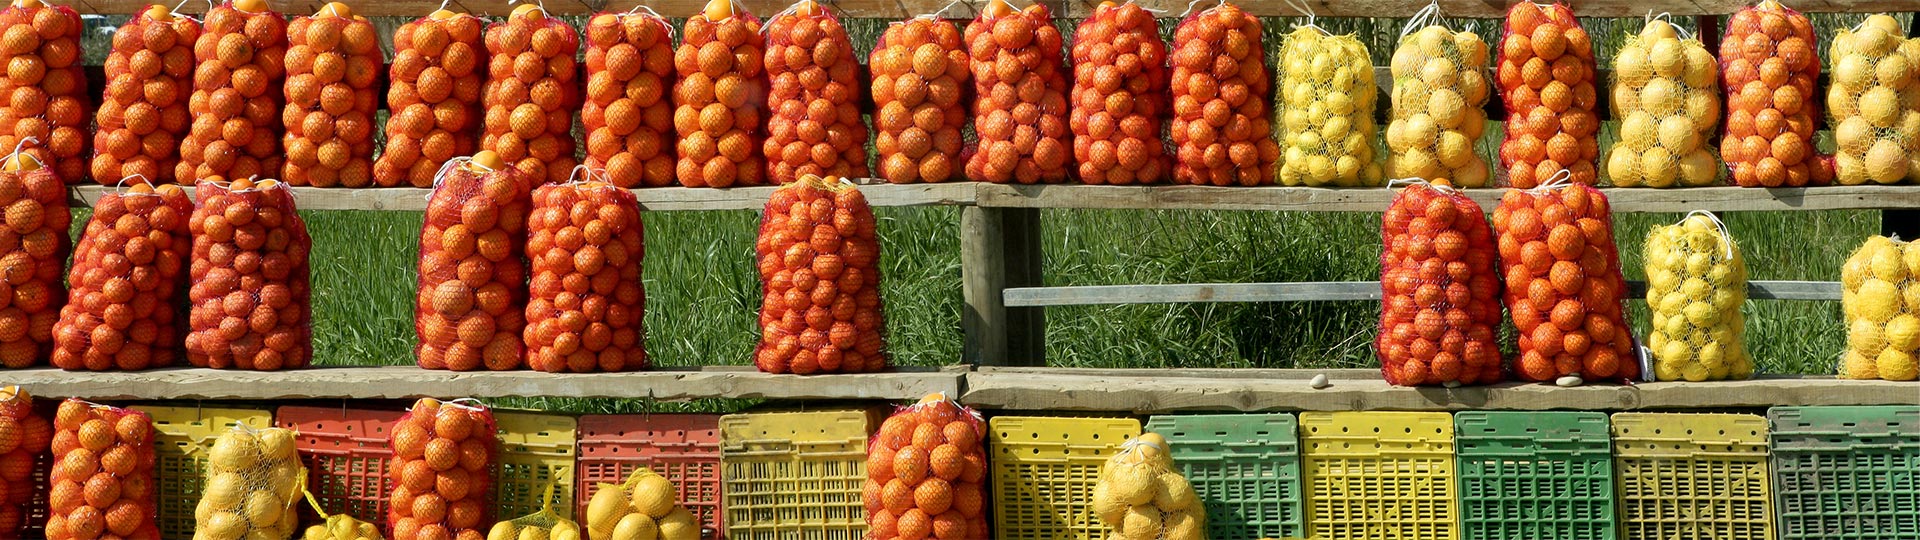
(1451, 384)
(1569, 381)
(1320, 381)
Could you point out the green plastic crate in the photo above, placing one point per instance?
(1529, 475)
(1244, 467)
(1846, 473)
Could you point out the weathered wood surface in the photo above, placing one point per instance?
(1176, 390)
(411, 382)
(1318, 291)
(660, 199)
(1309, 199)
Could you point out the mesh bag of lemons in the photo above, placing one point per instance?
(1439, 91)
(1142, 497)
(254, 480)
(1880, 298)
(1696, 282)
(1873, 102)
(643, 507)
(339, 526)
(1666, 93)
(1325, 99)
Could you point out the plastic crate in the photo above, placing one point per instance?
(796, 475)
(1692, 476)
(1044, 469)
(1846, 473)
(1379, 475)
(1244, 467)
(347, 452)
(1528, 475)
(181, 438)
(684, 448)
(536, 451)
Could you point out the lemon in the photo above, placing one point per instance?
(1728, 301)
(224, 526)
(1903, 332)
(1662, 281)
(1439, 72)
(1421, 130)
(1473, 86)
(1626, 97)
(1694, 289)
(1662, 97)
(1677, 134)
(1667, 371)
(1700, 260)
(1631, 66)
(1874, 41)
(1658, 168)
(1658, 29)
(1294, 119)
(1338, 103)
(224, 490)
(1319, 169)
(1454, 149)
(1416, 163)
(1667, 58)
(1886, 162)
(1406, 60)
(1709, 355)
(1623, 166)
(1397, 136)
(1703, 108)
(1432, 41)
(1859, 366)
(1639, 130)
(1852, 72)
(1698, 168)
(1854, 135)
(1842, 103)
(1701, 70)
(1673, 303)
(1473, 50)
(1317, 113)
(1695, 372)
(1880, 105)
(1701, 314)
(1336, 128)
(1447, 107)
(1878, 300)
(1677, 352)
(234, 450)
(1893, 71)
(1888, 264)
(534, 533)
(1849, 169)
(1896, 365)
(1346, 170)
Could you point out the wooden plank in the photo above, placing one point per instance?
(1319, 291)
(411, 382)
(1310, 199)
(888, 9)
(1145, 391)
(666, 198)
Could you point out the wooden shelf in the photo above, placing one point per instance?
(412, 199)
(1319, 291)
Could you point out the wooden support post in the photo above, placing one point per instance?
(1000, 248)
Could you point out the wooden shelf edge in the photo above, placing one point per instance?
(656, 199)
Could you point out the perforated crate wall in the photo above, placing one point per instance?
(1044, 469)
(1531, 475)
(346, 451)
(181, 438)
(684, 448)
(1692, 476)
(536, 451)
(1244, 467)
(796, 475)
(1378, 475)
(1846, 473)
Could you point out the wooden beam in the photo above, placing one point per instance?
(1320, 291)
(1483, 9)
(1308, 199)
(879, 193)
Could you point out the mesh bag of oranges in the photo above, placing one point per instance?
(720, 63)
(1020, 96)
(926, 473)
(333, 58)
(1545, 76)
(1880, 297)
(1119, 96)
(143, 114)
(814, 127)
(47, 94)
(25, 435)
(31, 265)
(820, 281)
(585, 235)
(129, 262)
(1876, 128)
(240, 59)
(1142, 497)
(645, 505)
(1440, 309)
(440, 475)
(531, 94)
(253, 486)
(1220, 129)
(1563, 284)
(1325, 104)
(102, 482)
(1439, 92)
(434, 98)
(919, 69)
(249, 294)
(1665, 91)
(473, 284)
(1696, 282)
(628, 114)
(1768, 66)
(337, 526)
(542, 524)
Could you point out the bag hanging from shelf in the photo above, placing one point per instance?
(628, 114)
(1666, 93)
(1768, 67)
(333, 58)
(471, 299)
(237, 98)
(1696, 283)
(1880, 299)
(820, 277)
(143, 111)
(920, 75)
(441, 472)
(1324, 101)
(132, 256)
(1119, 98)
(813, 125)
(250, 304)
(1440, 92)
(1563, 284)
(1221, 129)
(1545, 76)
(1022, 133)
(1876, 128)
(1440, 291)
(716, 109)
(434, 100)
(531, 93)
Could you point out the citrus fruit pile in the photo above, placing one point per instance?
(1325, 103)
(1141, 497)
(719, 63)
(439, 476)
(249, 292)
(1220, 127)
(143, 114)
(434, 98)
(544, 524)
(1880, 297)
(126, 279)
(254, 478)
(472, 274)
(1440, 92)
(46, 87)
(240, 62)
(1665, 91)
(1696, 281)
(332, 59)
(1119, 97)
(342, 527)
(820, 280)
(628, 114)
(919, 69)
(1564, 286)
(645, 505)
(814, 127)
(1875, 127)
(1440, 309)
(530, 93)
(927, 473)
(1020, 96)
(587, 304)
(102, 482)
(24, 437)
(1545, 76)
(36, 218)
(1768, 67)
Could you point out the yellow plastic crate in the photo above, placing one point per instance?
(1692, 476)
(1044, 469)
(1379, 475)
(536, 450)
(181, 438)
(796, 475)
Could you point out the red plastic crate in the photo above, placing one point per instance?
(346, 452)
(684, 448)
